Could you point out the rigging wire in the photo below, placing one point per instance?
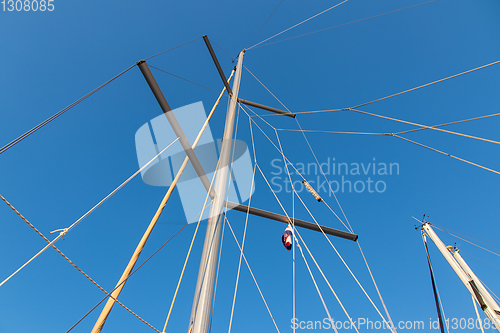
(173, 48)
(371, 275)
(451, 123)
(69, 107)
(264, 24)
(244, 232)
(393, 328)
(284, 158)
(72, 263)
(444, 153)
(217, 276)
(126, 279)
(477, 314)
(296, 25)
(405, 91)
(426, 127)
(331, 132)
(344, 24)
(180, 77)
(233, 58)
(269, 91)
(310, 213)
(324, 175)
(188, 253)
(465, 240)
(196, 301)
(251, 273)
(428, 84)
(349, 269)
(281, 150)
(291, 164)
(186, 160)
(479, 239)
(484, 262)
(317, 289)
(68, 229)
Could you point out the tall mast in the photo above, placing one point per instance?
(202, 303)
(468, 278)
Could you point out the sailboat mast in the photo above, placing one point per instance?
(202, 303)
(468, 278)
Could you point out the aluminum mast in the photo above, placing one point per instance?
(202, 303)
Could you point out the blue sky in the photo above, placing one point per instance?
(54, 176)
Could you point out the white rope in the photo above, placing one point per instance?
(465, 240)
(316, 285)
(244, 238)
(279, 202)
(296, 25)
(66, 230)
(298, 173)
(288, 161)
(280, 149)
(251, 273)
(321, 169)
(477, 314)
(310, 213)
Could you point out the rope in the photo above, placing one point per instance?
(452, 156)
(426, 127)
(264, 23)
(217, 277)
(465, 240)
(204, 204)
(145, 261)
(328, 282)
(244, 233)
(66, 230)
(48, 120)
(480, 260)
(477, 314)
(310, 213)
(317, 289)
(331, 132)
(451, 123)
(479, 239)
(371, 275)
(329, 185)
(428, 84)
(187, 258)
(405, 91)
(344, 24)
(284, 158)
(376, 287)
(296, 25)
(251, 273)
(289, 162)
(71, 262)
(348, 268)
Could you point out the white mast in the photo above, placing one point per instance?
(468, 278)
(202, 303)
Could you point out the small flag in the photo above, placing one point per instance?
(287, 238)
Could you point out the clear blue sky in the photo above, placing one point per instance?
(50, 59)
